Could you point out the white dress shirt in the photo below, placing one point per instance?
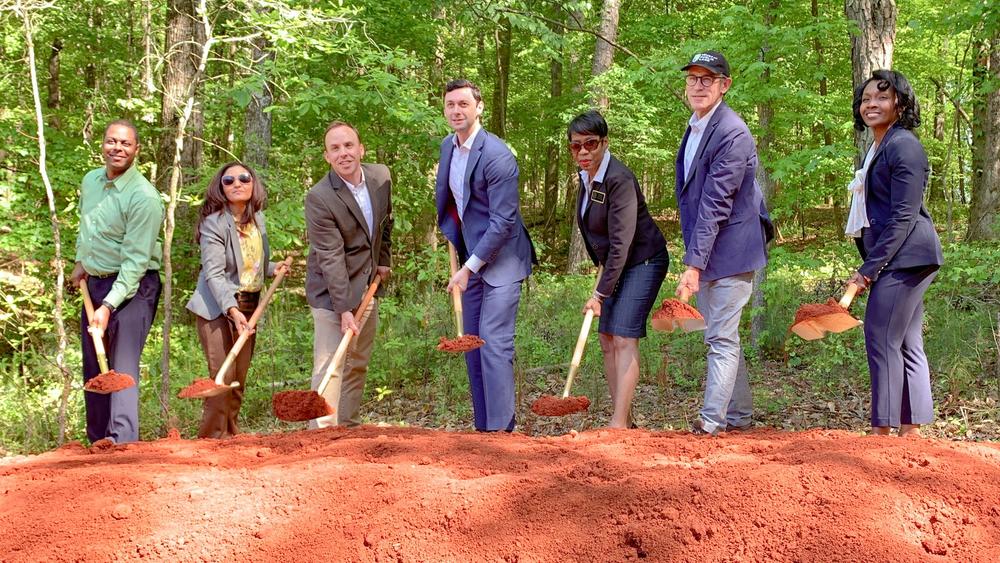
(694, 139)
(599, 177)
(857, 219)
(361, 195)
(456, 181)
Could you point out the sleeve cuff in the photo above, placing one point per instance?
(114, 298)
(474, 263)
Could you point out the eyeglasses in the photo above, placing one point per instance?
(589, 144)
(704, 80)
(244, 178)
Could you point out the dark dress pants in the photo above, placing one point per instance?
(116, 415)
(900, 376)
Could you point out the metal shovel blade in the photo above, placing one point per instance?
(817, 327)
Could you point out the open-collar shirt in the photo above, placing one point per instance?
(697, 126)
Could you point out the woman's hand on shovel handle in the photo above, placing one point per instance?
(239, 319)
(460, 279)
(593, 304)
(859, 280)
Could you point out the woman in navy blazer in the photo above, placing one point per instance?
(901, 254)
(620, 235)
(235, 259)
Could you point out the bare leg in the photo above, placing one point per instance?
(881, 430)
(610, 365)
(627, 358)
(909, 430)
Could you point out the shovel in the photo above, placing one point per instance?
(547, 405)
(464, 342)
(204, 388)
(108, 381)
(814, 320)
(667, 318)
(300, 406)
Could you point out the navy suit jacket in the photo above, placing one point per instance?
(616, 227)
(491, 225)
(723, 218)
(901, 234)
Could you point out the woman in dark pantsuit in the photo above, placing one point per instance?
(235, 259)
(620, 235)
(900, 250)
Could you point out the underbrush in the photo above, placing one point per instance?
(797, 384)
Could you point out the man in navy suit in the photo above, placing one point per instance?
(478, 211)
(724, 224)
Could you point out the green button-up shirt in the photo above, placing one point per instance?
(120, 221)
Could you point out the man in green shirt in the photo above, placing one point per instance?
(118, 257)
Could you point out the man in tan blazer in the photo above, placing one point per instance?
(349, 222)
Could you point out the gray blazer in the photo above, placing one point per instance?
(222, 264)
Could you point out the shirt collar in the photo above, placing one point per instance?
(699, 124)
(601, 170)
(467, 145)
(121, 182)
(351, 186)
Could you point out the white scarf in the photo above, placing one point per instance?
(858, 217)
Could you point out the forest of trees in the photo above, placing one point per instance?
(209, 81)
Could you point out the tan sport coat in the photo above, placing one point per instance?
(342, 254)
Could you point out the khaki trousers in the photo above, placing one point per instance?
(220, 414)
(343, 393)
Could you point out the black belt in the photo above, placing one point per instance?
(103, 276)
(247, 297)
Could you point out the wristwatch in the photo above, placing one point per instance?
(111, 308)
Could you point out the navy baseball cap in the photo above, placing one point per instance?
(712, 60)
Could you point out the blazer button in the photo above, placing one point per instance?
(367, 271)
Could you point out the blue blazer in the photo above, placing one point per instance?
(491, 226)
(901, 234)
(724, 222)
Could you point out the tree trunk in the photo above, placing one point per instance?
(765, 115)
(983, 221)
(554, 147)
(182, 47)
(92, 81)
(498, 109)
(57, 261)
(871, 49)
(577, 256)
(604, 52)
(257, 133)
(55, 95)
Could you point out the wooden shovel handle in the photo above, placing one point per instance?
(852, 290)
(345, 340)
(220, 377)
(581, 341)
(96, 335)
(456, 294)
(685, 294)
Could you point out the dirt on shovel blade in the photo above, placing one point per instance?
(299, 406)
(109, 382)
(811, 311)
(676, 309)
(464, 343)
(549, 405)
(197, 387)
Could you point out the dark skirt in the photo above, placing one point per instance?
(625, 311)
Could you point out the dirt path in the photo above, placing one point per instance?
(390, 494)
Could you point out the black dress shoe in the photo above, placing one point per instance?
(744, 428)
(698, 429)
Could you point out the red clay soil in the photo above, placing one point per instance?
(676, 309)
(404, 494)
(464, 343)
(109, 382)
(197, 387)
(299, 406)
(814, 310)
(549, 405)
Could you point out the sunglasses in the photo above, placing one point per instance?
(589, 144)
(244, 178)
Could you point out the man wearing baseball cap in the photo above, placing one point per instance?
(726, 229)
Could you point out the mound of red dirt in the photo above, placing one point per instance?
(398, 494)
(813, 310)
(463, 343)
(109, 382)
(549, 405)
